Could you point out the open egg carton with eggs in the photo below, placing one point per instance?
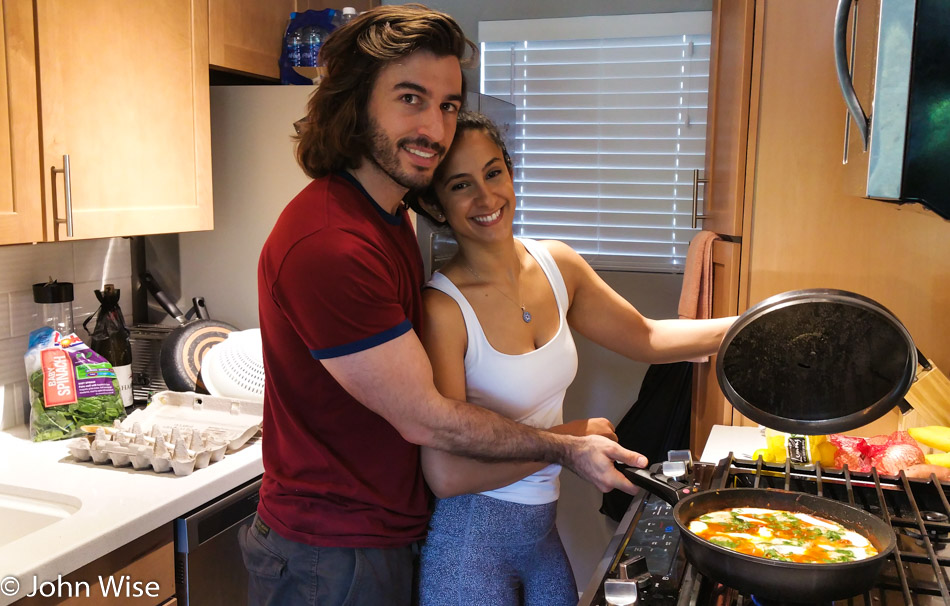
(177, 431)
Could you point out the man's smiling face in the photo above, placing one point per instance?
(411, 115)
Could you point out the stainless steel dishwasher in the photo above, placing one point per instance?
(208, 565)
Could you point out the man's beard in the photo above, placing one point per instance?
(384, 153)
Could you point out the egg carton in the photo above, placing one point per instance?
(177, 431)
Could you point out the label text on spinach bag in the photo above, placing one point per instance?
(59, 380)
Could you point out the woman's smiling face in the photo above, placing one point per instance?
(475, 188)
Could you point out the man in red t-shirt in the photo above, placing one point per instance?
(349, 396)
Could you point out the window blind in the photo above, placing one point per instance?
(608, 132)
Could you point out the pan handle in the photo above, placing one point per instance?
(163, 299)
(201, 310)
(662, 486)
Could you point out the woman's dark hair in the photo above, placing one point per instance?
(467, 121)
(334, 134)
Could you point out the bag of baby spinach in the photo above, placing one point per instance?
(70, 386)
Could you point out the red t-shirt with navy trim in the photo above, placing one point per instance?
(337, 275)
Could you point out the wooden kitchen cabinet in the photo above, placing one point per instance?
(727, 115)
(710, 406)
(245, 36)
(21, 207)
(148, 558)
(124, 92)
(727, 127)
(805, 220)
(122, 89)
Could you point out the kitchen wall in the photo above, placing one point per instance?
(88, 264)
(254, 176)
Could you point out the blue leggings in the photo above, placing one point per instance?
(485, 551)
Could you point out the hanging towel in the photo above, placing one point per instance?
(697, 296)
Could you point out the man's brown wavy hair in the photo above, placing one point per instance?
(333, 136)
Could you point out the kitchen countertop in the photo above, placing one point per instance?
(723, 439)
(116, 504)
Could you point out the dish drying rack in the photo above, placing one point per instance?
(177, 431)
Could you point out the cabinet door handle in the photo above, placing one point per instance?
(696, 183)
(845, 80)
(69, 196)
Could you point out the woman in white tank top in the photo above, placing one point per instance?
(497, 331)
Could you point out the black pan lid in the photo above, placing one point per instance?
(816, 361)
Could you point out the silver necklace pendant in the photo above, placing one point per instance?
(525, 315)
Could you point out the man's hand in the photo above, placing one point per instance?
(592, 458)
(597, 426)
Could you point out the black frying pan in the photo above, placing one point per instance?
(762, 577)
(184, 348)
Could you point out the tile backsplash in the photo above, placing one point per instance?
(88, 264)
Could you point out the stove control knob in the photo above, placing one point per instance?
(674, 469)
(681, 456)
(635, 569)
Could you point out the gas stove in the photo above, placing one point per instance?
(647, 546)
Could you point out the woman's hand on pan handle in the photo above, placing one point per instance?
(596, 426)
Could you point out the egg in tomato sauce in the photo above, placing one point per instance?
(782, 535)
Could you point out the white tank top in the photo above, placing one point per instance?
(528, 388)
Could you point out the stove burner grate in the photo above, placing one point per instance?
(940, 536)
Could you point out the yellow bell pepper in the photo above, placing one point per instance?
(934, 436)
(826, 453)
(776, 446)
(765, 453)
